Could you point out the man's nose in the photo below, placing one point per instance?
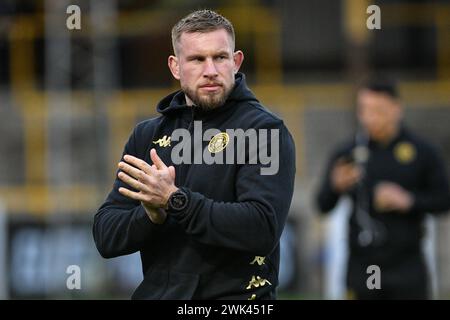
(210, 69)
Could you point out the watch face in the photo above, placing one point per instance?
(178, 200)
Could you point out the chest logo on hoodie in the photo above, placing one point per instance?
(163, 142)
(405, 152)
(218, 142)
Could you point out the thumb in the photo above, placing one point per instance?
(172, 172)
(157, 160)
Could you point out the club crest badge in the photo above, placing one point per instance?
(218, 142)
(405, 152)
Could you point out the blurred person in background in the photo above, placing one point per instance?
(393, 178)
(204, 231)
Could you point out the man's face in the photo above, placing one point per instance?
(205, 65)
(379, 114)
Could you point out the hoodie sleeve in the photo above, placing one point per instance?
(434, 196)
(326, 197)
(121, 225)
(254, 222)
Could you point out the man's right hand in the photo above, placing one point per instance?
(344, 175)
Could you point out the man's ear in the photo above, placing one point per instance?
(174, 67)
(399, 110)
(238, 57)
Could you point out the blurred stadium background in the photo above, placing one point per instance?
(70, 98)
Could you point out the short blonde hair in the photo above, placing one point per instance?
(201, 21)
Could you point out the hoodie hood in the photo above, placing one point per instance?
(176, 101)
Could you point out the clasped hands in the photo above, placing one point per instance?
(153, 184)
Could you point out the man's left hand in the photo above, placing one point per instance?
(390, 196)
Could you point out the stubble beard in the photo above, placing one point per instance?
(208, 101)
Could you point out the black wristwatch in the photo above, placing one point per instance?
(178, 201)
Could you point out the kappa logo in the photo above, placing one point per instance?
(163, 142)
(257, 282)
(259, 260)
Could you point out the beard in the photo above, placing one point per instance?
(209, 100)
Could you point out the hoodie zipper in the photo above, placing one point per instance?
(181, 175)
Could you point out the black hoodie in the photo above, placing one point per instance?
(225, 244)
(397, 245)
